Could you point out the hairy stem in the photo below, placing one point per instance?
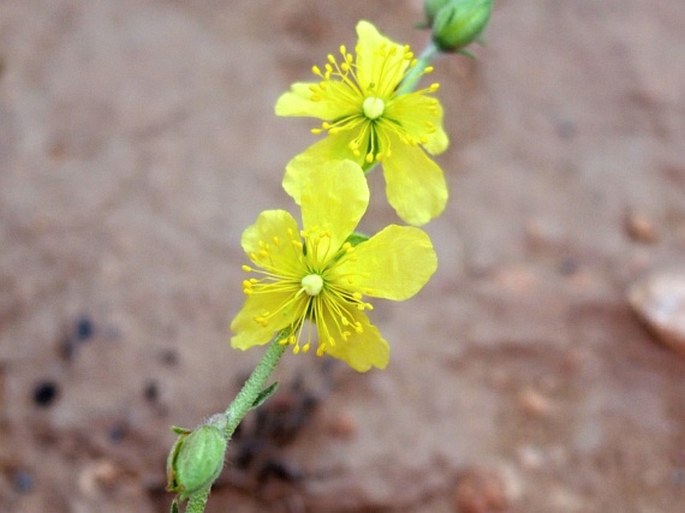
(254, 384)
(198, 501)
(242, 404)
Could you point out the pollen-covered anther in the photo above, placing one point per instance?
(263, 319)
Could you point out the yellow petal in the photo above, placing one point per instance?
(421, 117)
(380, 61)
(393, 264)
(249, 332)
(414, 184)
(364, 350)
(268, 242)
(332, 147)
(334, 197)
(333, 103)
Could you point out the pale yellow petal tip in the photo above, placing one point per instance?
(282, 108)
(364, 365)
(419, 214)
(364, 27)
(235, 344)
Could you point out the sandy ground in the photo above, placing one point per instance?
(137, 141)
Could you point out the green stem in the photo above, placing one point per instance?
(254, 385)
(242, 404)
(198, 501)
(424, 60)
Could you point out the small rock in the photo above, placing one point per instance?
(641, 228)
(534, 403)
(151, 391)
(343, 426)
(659, 300)
(96, 477)
(22, 481)
(481, 491)
(45, 393)
(83, 330)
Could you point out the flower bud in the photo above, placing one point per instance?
(459, 22)
(196, 460)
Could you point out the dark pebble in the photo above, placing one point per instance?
(117, 433)
(45, 393)
(84, 328)
(151, 391)
(169, 357)
(22, 481)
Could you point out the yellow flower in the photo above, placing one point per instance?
(316, 275)
(367, 121)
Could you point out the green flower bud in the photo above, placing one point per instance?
(459, 23)
(196, 460)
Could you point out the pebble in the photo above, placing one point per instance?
(22, 481)
(641, 228)
(151, 391)
(533, 403)
(343, 426)
(659, 300)
(45, 393)
(97, 476)
(481, 491)
(84, 328)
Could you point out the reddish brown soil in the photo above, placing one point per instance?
(137, 141)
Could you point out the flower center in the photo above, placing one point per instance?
(312, 284)
(373, 107)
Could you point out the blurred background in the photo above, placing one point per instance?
(541, 370)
